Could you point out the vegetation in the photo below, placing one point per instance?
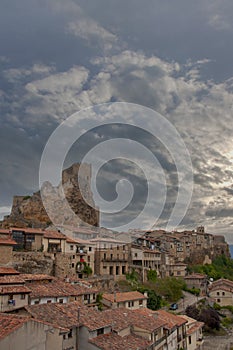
(152, 275)
(87, 270)
(194, 291)
(154, 301)
(221, 267)
(170, 288)
(205, 314)
(26, 197)
(99, 303)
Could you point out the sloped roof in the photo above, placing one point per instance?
(123, 297)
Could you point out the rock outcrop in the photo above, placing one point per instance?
(65, 204)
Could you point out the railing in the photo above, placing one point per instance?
(159, 340)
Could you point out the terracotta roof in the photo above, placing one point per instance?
(11, 279)
(36, 277)
(8, 271)
(4, 231)
(54, 235)
(79, 241)
(14, 290)
(52, 289)
(125, 296)
(28, 230)
(10, 323)
(221, 287)
(66, 315)
(167, 318)
(122, 318)
(106, 239)
(9, 241)
(195, 327)
(113, 341)
(170, 319)
(195, 276)
(58, 288)
(222, 281)
(83, 290)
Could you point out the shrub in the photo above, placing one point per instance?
(152, 275)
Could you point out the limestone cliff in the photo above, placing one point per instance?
(29, 211)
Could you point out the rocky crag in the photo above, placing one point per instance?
(64, 203)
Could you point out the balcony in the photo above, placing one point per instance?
(114, 259)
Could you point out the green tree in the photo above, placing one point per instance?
(99, 299)
(87, 270)
(154, 301)
(152, 275)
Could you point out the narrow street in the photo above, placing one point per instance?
(189, 299)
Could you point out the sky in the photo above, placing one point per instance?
(58, 57)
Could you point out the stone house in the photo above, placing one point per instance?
(84, 249)
(6, 250)
(198, 281)
(222, 292)
(194, 333)
(83, 324)
(28, 239)
(128, 300)
(54, 242)
(26, 334)
(111, 258)
(14, 294)
(58, 291)
(143, 260)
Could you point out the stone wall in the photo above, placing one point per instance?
(34, 262)
(5, 255)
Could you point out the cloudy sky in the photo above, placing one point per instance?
(58, 57)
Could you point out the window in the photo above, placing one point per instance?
(90, 249)
(135, 254)
(22, 296)
(219, 300)
(72, 265)
(70, 334)
(61, 301)
(49, 301)
(104, 256)
(117, 270)
(73, 256)
(71, 247)
(30, 237)
(36, 302)
(223, 293)
(111, 256)
(190, 340)
(217, 293)
(140, 302)
(123, 270)
(88, 258)
(100, 331)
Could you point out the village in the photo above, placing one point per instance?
(52, 283)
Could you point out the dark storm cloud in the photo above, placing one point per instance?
(220, 212)
(58, 57)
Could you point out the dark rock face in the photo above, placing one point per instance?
(65, 204)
